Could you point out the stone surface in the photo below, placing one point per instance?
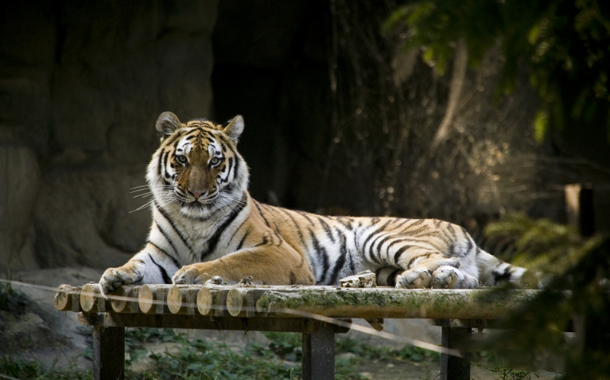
(20, 179)
(81, 86)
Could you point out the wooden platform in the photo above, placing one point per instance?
(317, 312)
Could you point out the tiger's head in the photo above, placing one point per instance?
(197, 168)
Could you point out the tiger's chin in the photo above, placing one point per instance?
(197, 209)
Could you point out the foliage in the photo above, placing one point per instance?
(543, 246)
(577, 293)
(32, 370)
(12, 300)
(366, 351)
(563, 44)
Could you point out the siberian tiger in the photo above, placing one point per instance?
(206, 224)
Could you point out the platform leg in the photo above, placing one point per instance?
(108, 353)
(453, 367)
(319, 354)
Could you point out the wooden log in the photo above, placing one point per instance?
(132, 304)
(63, 298)
(151, 296)
(146, 299)
(91, 300)
(161, 296)
(242, 301)
(182, 299)
(205, 300)
(391, 303)
(174, 300)
(190, 299)
(235, 301)
(219, 306)
(119, 299)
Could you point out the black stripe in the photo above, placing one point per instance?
(296, 226)
(338, 266)
(468, 239)
(401, 223)
(166, 278)
(344, 252)
(264, 242)
(320, 251)
(327, 229)
(416, 223)
(347, 225)
(399, 253)
(171, 223)
(369, 238)
(235, 171)
(378, 273)
(160, 164)
(166, 237)
(304, 215)
(425, 256)
(506, 275)
(335, 272)
(243, 238)
(213, 240)
(391, 281)
(446, 238)
(417, 231)
(388, 237)
(239, 228)
(175, 137)
(174, 260)
(451, 229)
(261, 212)
(165, 158)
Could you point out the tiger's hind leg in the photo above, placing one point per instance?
(414, 268)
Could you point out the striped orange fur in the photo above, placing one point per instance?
(206, 224)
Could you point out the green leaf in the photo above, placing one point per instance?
(541, 125)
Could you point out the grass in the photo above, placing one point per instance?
(192, 359)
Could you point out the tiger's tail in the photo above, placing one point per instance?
(493, 271)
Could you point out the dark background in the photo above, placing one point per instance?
(338, 120)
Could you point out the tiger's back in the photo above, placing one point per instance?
(206, 224)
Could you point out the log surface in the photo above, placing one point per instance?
(296, 301)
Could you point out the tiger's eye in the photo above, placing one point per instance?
(181, 160)
(214, 161)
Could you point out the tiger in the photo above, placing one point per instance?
(206, 224)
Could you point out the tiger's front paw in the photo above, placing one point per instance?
(190, 274)
(115, 277)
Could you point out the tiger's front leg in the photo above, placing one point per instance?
(276, 265)
(149, 266)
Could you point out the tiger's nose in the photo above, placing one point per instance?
(196, 194)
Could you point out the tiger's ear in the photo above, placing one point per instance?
(167, 123)
(235, 128)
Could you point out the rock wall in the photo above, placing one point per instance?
(81, 85)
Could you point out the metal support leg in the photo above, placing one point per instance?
(319, 354)
(453, 367)
(108, 353)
